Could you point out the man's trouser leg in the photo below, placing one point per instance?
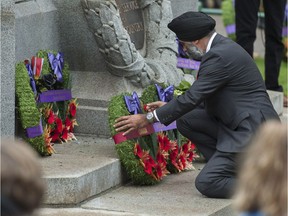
(217, 178)
(274, 20)
(246, 17)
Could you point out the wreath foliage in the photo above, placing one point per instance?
(33, 114)
(146, 159)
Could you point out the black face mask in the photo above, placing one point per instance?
(194, 53)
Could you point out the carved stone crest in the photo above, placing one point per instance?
(133, 37)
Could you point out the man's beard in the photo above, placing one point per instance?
(194, 53)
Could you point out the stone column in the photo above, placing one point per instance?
(7, 68)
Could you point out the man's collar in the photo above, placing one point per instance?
(210, 41)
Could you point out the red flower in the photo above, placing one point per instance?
(164, 143)
(183, 160)
(59, 125)
(145, 107)
(72, 108)
(68, 123)
(185, 148)
(159, 171)
(148, 168)
(190, 156)
(65, 134)
(55, 136)
(138, 151)
(161, 159)
(51, 118)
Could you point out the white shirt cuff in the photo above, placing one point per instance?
(155, 115)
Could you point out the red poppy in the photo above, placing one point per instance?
(161, 159)
(72, 109)
(145, 107)
(193, 146)
(148, 168)
(182, 160)
(164, 143)
(51, 118)
(59, 125)
(159, 171)
(138, 151)
(65, 134)
(149, 164)
(190, 156)
(55, 136)
(185, 148)
(151, 161)
(173, 155)
(68, 122)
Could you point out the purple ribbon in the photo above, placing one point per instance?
(30, 73)
(133, 103)
(231, 29)
(57, 64)
(35, 131)
(188, 63)
(54, 95)
(165, 94)
(158, 127)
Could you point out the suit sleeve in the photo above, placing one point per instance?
(212, 76)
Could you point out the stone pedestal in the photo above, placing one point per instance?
(7, 67)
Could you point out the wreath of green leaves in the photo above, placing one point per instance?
(27, 108)
(125, 150)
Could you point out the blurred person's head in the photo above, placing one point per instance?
(262, 183)
(22, 187)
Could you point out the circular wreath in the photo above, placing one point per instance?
(149, 158)
(56, 118)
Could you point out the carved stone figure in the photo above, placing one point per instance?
(120, 25)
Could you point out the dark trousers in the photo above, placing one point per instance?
(246, 12)
(217, 178)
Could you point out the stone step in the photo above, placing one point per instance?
(175, 195)
(92, 121)
(277, 100)
(80, 169)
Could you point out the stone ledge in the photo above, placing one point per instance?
(277, 100)
(80, 169)
(92, 121)
(175, 195)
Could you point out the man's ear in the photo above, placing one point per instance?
(196, 42)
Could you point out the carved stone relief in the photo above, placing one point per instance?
(133, 37)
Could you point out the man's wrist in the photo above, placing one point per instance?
(150, 117)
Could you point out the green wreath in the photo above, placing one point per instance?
(143, 158)
(30, 113)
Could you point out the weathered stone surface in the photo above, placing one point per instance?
(80, 169)
(7, 67)
(37, 27)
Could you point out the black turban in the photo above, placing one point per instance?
(192, 26)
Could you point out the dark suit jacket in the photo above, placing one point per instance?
(233, 91)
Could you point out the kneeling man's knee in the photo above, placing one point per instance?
(213, 188)
(202, 184)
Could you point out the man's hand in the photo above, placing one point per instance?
(150, 107)
(130, 123)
